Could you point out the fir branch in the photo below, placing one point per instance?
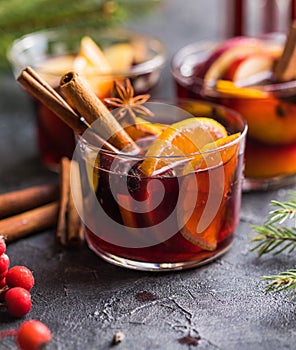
(283, 281)
(285, 210)
(277, 238)
(18, 17)
(274, 238)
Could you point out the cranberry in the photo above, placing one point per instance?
(18, 301)
(2, 245)
(4, 262)
(2, 282)
(32, 335)
(20, 276)
(3, 274)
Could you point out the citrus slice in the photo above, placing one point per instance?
(180, 139)
(144, 128)
(119, 56)
(208, 159)
(229, 88)
(200, 228)
(92, 62)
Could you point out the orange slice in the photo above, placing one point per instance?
(229, 88)
(208, 159)
(180, 139)
(92, 62)
(196, 190)
(119, 56)
(144, 128)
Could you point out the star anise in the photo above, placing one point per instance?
(129, 106)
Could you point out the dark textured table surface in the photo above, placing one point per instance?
(85, 300)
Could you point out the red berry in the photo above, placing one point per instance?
(3, 274)
(2, 282)
(32, 335)
(18, 301)
(20, 276)
(2, 245)
(4, 262)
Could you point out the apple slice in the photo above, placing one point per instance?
(220, 60)
(245, 67)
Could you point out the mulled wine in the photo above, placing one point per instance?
(177, 204)
(238, 75)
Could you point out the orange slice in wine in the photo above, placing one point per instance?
(207, 185)
(178, 140)
(143, 128)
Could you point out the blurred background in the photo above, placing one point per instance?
(199, 18)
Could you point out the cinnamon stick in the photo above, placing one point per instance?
(29, 222)
(75, 230)
(25, 199)
(83, 100)
(69, 228)
(42, 91)
(285, 67)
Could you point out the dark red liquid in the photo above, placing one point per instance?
(178, 247)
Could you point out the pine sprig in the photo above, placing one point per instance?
(19, 17)
(273, 238)
(276, 238)
(283, 281)
(285, 210)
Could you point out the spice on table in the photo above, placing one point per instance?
(118, 337)
(28, 198)
(69, 228)
(29, 222)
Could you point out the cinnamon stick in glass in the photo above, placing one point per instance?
(83, 100)
(285, 67)
(42, 91)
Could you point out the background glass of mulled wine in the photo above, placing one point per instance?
(48, 52)
(271, 142)
(179, 217)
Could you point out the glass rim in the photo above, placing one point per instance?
(131, 156)
(203, 46)
(157, 61)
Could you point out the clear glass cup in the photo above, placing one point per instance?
(182, 215)
(271, 141)
(51, 54)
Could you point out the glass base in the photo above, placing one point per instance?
(272, 183)
(157, 267)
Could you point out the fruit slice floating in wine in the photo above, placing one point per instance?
(182, 138)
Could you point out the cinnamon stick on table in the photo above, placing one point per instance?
(83, 100)
(29, 222)
(25, 199)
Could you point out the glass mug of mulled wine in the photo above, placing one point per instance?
(238, 74)
(101, 57)
(175, 203)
